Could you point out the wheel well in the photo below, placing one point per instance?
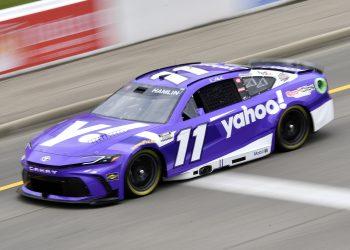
(161, 157)
(310, 117)
(308, 113)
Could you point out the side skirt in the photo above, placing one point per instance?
(252, 151)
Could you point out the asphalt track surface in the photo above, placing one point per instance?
(196, 214)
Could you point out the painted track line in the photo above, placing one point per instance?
(12, 185)
(275, 188)
(339, 89)
(19, 183)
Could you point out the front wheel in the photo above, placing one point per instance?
(293, 128)
(143, 173)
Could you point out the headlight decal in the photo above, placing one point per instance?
(103, 159)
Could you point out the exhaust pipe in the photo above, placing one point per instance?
(205, 170)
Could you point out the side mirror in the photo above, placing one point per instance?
(200, 111)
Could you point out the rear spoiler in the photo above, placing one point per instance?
(286, 65)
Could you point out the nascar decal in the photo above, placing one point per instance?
(79, 128)
(161, 140)
(301, 91)
(251, 115)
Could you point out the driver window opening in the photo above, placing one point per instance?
(210, 98)
(191, 110)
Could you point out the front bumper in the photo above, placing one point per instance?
(71, 185)
(68, 200)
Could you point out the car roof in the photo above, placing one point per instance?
(183, 75)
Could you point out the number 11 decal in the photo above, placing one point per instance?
(183, 138)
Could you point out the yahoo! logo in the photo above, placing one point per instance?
(89, 134)
(251, 115)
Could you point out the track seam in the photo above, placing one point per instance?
(20, 215)
(285, 229)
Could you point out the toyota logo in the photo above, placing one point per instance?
(45, 158)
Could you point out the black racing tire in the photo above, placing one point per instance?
(143, 173)
(293, 128)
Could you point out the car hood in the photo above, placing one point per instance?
(87, 135)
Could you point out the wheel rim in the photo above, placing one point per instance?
(293, 127)
(143, 172)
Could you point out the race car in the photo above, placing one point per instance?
(176, 123)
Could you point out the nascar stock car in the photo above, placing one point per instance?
(176, 123)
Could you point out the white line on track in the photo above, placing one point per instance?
(274, 188)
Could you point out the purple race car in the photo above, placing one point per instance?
(176, 123)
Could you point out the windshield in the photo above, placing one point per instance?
(140, 102)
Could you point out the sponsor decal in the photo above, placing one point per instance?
(144, 142)
(166, 137)
(283, 77)
(216, 79)
(251, 115)
(46, 158)
(161, 140)
(112, 176)
(42, 170)
(261, 152)
(301, 91)
(265, 72)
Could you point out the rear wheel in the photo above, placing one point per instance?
(143, 173)
(293, 128)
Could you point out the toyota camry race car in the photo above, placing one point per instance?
(176, 123)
